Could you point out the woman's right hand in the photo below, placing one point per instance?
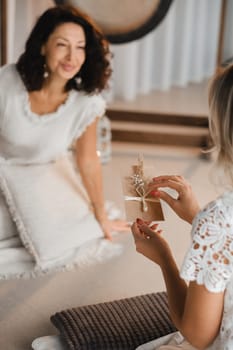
(185, 205)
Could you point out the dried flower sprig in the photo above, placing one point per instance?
(139, 186)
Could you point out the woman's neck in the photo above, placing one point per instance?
(53, 87)
(49, 98)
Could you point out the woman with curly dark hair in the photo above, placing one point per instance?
(92, 74)
(49, 100)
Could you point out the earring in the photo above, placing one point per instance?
(78, 81)
(46, 73)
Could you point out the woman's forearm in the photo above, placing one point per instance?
(176, 290)
(91, 173)
(150, 242)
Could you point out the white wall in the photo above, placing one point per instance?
(182, 49)
(228, 40)
(22, 15)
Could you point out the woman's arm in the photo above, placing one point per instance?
(196, 312)
(91, 173)
(90, 170)
(202, 315)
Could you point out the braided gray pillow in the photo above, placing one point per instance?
(117, 325)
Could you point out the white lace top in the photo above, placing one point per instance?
(26, 137)
(209, 261)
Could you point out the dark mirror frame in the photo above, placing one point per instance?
(3, 31)
(139, 32)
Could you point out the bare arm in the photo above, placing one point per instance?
(91, 173)
(196, 312)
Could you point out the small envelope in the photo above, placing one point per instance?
(138, 201)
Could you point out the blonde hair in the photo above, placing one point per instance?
(221, 120)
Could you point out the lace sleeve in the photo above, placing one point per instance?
(209, 260)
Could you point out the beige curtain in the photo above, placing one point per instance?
(180, 50)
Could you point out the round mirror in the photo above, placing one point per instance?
(126, 22)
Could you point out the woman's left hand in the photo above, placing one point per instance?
(150, 243)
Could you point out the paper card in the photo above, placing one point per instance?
(138, 201)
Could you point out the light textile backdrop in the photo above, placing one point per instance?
(180, 50)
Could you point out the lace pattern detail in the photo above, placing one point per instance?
(210, 258)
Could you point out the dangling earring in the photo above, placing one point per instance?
(78, 81)
(46, 73)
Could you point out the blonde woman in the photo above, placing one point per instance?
(202, 310)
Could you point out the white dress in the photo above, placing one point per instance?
(209, 261)
(46, 221)
(26, 137)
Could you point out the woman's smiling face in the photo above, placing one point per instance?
(64, 51)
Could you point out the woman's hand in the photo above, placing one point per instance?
(109, 226)
(150, 243)
(185, 205)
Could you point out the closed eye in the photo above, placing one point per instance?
(61, 44)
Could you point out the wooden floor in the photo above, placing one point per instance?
(176, 117)
(26, 305)
(191, 99)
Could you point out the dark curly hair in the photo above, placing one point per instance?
(95, 71)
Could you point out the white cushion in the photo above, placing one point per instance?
(7, 226)
(50, 342)
(50, 207)
(173, 341)
(154, 344)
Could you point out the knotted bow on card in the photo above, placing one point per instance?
(138, 200)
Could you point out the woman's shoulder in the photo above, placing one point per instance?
(89, 98)
(225, 201)
(8, 76)
(209, 260)
(91, 102)
(217, 212)
(8, 70)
